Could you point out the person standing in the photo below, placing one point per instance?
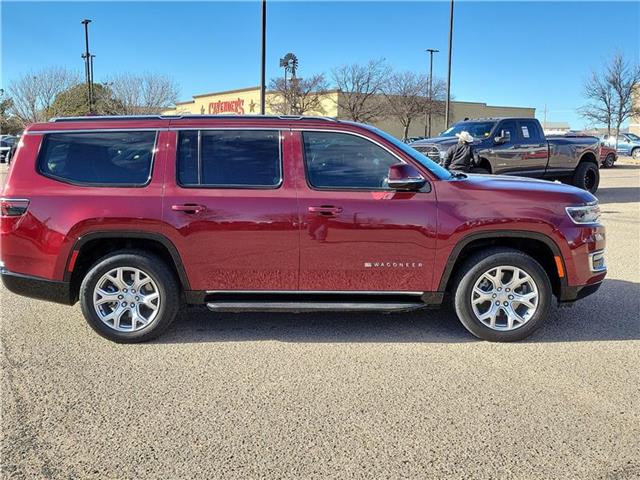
(461, 156)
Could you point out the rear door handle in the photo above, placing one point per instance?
(325, 210)
(188, 208)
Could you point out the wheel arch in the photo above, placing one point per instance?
(538, 245)
(589, 157)
(486, 164)
(88, 248)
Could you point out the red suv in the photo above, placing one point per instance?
(133, 216)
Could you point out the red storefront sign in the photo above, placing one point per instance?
(229, 106)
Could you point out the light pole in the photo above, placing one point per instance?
(263, 58)
(88, 63)
(446, 115)
(427, 125)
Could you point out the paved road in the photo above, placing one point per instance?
(334, 396)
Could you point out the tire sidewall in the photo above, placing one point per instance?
(609, 160)
(580, 173)
(151, 266)
(463, 304)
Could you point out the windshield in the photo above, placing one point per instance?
(633, 136)
(432, 166)
(478, 130)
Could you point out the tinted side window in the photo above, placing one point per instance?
(340, 160)
(529, 131)
(229, 158)
(101, 158)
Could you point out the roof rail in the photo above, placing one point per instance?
(101, 118)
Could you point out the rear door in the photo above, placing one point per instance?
(230, 208)
(357, 235)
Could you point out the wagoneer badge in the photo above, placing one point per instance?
(392, 264)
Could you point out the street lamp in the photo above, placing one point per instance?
(262, 58)
(88, 63)
(427, 125)
(446, 116)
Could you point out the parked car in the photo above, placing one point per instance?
(608, 155)
(518, 146)
(133, 216)
(628, 144)
(6, 144)
(412, 139)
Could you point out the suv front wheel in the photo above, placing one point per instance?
(502, 295)
(129, 297)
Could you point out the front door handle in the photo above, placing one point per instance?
(188, 208)
(325, 210)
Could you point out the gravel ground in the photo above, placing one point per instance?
(334, 395)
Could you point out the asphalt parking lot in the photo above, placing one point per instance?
(334, 395)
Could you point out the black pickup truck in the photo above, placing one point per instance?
(517, 146)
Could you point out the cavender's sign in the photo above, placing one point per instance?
(229, 106)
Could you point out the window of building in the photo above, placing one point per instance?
(229, 158)
(344, 161)
(98, 158)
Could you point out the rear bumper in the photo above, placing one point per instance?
(36, 287)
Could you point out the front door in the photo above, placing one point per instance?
(507, 156)
(356, 233)
(230, 209)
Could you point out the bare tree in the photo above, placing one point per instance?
(600, 109)
(147, 93)
(406, 97)
(298, 96)
(358, 85)
(610, 94)
(33, 94)
(624, 78)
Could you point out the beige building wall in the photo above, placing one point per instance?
(246, 101)
(634, 123)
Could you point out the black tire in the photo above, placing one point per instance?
(587, 177)
(474, 267)
(609, 161)
(150, 265)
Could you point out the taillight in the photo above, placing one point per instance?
(13, 207)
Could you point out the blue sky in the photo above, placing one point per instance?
(505, 53)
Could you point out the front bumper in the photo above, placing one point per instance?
(571, 294)
(39, 288)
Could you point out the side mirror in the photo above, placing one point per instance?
(504, 137)
(405, 177)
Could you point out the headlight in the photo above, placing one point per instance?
(584, 214)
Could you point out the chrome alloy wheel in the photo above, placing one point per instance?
(126, 299)
(504, 298)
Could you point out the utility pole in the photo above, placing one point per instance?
(427, 124)
(446, 116)
(88, 64)
(263, 89)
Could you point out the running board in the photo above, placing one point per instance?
(312, 306)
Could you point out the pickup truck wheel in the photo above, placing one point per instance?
(502, 295)
(609, 160)
(129, 297)
(587, 177)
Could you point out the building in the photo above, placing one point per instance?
(555, 128)
(634, 122)
(246, 101)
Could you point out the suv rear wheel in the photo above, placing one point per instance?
(502, 295)
(129, 297)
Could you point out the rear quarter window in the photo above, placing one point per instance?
(98, 158)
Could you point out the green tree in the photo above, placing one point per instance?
(9, 124)
(74, 102)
